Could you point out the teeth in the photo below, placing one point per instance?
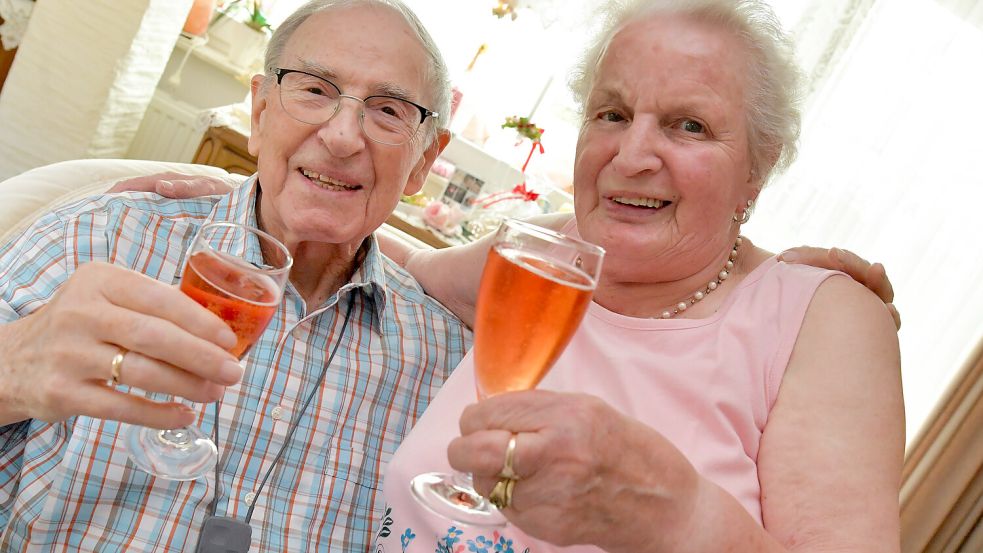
(330, 183)
(640, 202)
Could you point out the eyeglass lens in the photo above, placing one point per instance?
(313, 100)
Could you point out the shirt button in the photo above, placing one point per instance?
(250, 497)
(277, 413)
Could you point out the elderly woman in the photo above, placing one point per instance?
(715, 398)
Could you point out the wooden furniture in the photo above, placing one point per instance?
(6, 60)
(226, 148)
(421, 234)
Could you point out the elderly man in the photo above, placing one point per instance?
(344, 121)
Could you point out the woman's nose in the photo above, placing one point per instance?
(640, 148)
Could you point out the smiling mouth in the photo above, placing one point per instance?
(646, 203)
(328, 183)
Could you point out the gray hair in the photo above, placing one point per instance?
(437, 79)
(773, 77)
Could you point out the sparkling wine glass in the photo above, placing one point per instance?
(534, 291)
(219, 275)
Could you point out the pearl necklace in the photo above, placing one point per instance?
(711, 286)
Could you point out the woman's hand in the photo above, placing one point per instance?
(871, 275)
(176, 185)
(57, 361)
(585, 469)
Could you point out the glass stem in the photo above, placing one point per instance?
(178, 437)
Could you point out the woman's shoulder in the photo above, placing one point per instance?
(763, 268)
(840, 300)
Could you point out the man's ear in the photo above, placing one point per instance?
(418, 177)
(258, 94)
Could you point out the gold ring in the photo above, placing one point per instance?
(117, 366)
(501, 494)
(508, 471)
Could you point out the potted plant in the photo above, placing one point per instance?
(240, 32)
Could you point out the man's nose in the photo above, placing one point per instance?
(640, 148)
(342, 132)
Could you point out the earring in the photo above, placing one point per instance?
(745, 214)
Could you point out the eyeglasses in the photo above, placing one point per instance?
(313, 100)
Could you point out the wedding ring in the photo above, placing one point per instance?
(117, 365)
(501, 494)
(508, 472)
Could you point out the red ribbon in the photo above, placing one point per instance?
(526, 194)
(531, 152)
(519, 191)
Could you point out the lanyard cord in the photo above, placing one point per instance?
(293, 424)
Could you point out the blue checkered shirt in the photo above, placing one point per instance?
(69, 486)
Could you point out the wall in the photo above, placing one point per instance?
(83, 77)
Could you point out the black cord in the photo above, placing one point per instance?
(214, 504)
(296, 422)
(293, 424)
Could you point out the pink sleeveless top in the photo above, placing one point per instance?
(707, 385)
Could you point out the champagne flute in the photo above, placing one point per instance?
(243, 294)
(534, 291)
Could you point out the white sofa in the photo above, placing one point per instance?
(25, 197)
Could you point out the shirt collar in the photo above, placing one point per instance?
(370, 278)
(239, 206)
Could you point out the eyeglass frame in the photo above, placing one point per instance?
(279, 72)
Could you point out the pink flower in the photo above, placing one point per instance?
(436, 214)
(443, 217)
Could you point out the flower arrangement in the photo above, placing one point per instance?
(249, 12)
(443, 217)
(505, 8)
(524, 127)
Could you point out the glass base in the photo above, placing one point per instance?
(179, 454)
(453, 497)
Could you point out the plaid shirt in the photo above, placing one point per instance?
(69, 486)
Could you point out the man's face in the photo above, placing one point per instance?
(329, 183)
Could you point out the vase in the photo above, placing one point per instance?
(199, 17)
(241, 45)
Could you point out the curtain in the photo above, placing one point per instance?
(889, 167)
(942, 486)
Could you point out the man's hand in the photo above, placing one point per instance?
(57, 361)
(871, 275)
(176, 185)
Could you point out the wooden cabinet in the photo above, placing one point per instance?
(226, 148)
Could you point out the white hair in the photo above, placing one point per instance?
(773, 77)
(437, 79)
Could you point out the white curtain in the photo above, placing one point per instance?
(890, 167)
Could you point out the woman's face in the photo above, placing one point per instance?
(662, 160)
